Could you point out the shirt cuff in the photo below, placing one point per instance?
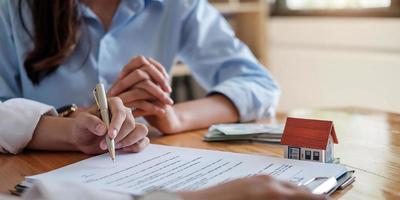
(250, 99)
(18, 121)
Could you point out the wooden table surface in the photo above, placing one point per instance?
(369, 142)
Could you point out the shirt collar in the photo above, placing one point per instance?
(127, 7)
(149, 1)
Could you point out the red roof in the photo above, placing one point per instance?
(308, 133)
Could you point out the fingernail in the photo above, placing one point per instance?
(100, 128)
(103, 145)
(114, 133)
(167, 99)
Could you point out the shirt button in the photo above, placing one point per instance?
(136, 7)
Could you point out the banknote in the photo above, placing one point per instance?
(248, 128)
(245, 132)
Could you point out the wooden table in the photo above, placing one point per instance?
(369, 142)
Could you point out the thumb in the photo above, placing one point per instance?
(91, 123)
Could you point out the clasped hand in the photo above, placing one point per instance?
(143, 85)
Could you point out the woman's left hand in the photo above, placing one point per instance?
(168, 122)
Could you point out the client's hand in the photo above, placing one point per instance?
(253, 188)
(143, 85)
(168, 122)
(89, 130)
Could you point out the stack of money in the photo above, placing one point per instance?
(245, 132)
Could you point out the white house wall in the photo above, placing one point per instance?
(332, 150)
(285, 152)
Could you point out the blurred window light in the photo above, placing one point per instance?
(336, 4)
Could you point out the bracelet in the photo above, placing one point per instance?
(67, 110)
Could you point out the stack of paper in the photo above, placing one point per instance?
(248, 132)
(181, 169)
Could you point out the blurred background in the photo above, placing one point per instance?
(323, 53)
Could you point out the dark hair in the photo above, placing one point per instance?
(56, 25)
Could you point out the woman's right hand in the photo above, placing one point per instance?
(89, 131)
(260, 187)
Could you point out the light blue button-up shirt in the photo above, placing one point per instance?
(188, 30)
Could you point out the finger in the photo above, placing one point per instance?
(139, 146)
(154, 90)
(91, 123)
(118, 115)
(141, 113)
(130, 80)
(157, 76)
(297, 192)
(301, 195)
(135, 136)
(276, 188)
(146, 107)
(136, 94)
(127, 127)
(288, 184)
(134, 64)
(159, 66)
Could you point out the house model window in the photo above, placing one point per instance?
(308, 139)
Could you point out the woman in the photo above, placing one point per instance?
(49, 46)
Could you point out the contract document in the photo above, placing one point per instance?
(177, 169)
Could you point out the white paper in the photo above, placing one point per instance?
(175, 169)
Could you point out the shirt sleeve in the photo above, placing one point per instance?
(9, 74)
(8, 197)
(68, 190)
(18, 120)
(221, 63)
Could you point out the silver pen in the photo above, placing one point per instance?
(101, 100)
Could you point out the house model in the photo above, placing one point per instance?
(307, 139)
